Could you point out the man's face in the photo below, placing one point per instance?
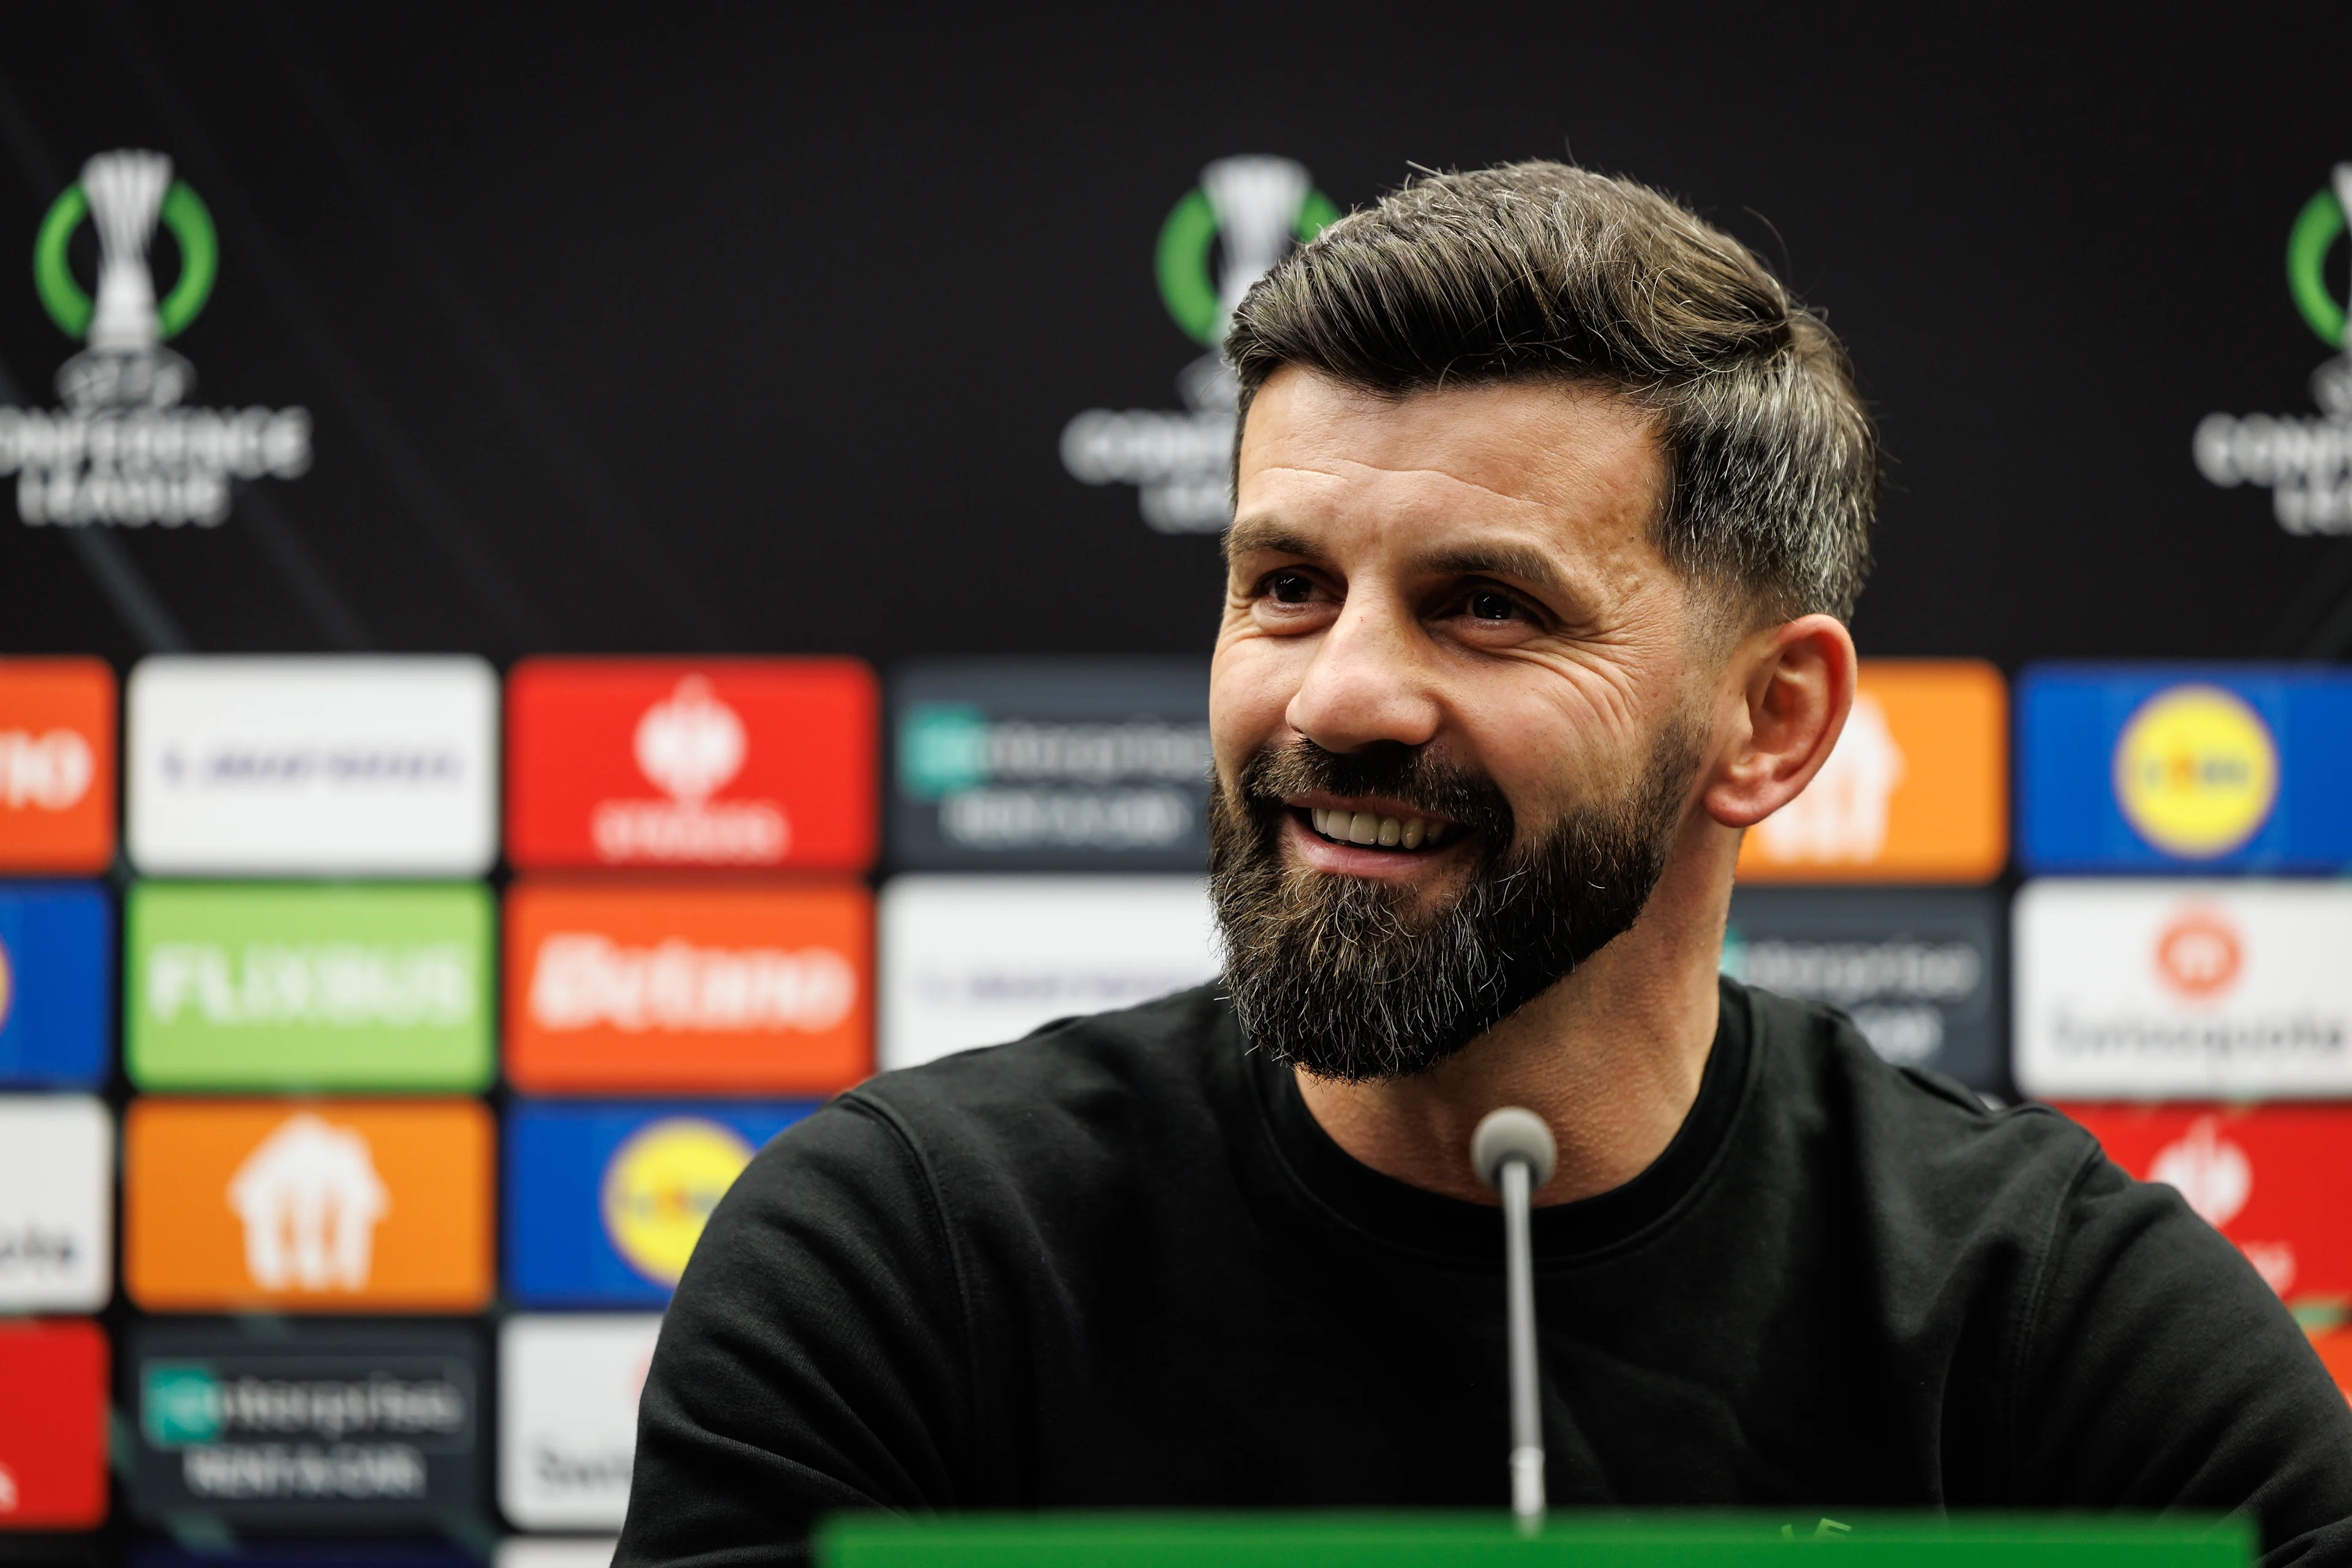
(1458, 708)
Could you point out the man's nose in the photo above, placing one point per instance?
(1368, 682)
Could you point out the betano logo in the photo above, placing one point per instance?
(660, 1187)
(2304, 462)
(583, 980)
(310, 1199)
(1252, 207)
(123, 451)
(2196, 771)
(689, 745)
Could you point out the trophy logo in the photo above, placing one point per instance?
(2304, 460)
(123, 450)
(1253, 208)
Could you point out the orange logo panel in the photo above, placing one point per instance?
(1917, 790)
(56, 764)
(323, 1206)
(680, 989)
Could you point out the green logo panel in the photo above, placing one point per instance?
(272, 986)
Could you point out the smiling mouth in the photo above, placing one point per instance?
(1370, 830)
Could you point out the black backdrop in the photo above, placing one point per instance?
(756, 327)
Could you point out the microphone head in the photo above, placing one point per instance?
(1512, 1133)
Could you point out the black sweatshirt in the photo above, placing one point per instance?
(1118, 1263)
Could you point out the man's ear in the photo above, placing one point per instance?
(1797, 680)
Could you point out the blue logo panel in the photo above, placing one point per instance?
(2167, 768)
(57, 958)
(604, 1200)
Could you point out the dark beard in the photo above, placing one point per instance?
(1350, 979)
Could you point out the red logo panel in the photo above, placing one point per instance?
(2275, 1179)
(618, 988)
(56, 764)
(683, 764)
(52, 1425)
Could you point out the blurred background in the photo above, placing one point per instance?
(581, 580)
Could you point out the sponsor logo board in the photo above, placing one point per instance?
(249, 1553)
(568, 1389)
(326, 1206)
(2183, 990)
(975, 961)
(56, 764)
(56, 957)
(2272, 1178)
(1917, 970)
(313, 766)
(53, 1425)
(57, 1204)
(690, 988)
(319, 1426)
(604, 1201)
(1915, 791)
(674, 762)
(2152, 768)
(1221, 237)
(294, 986)
(1050, 765)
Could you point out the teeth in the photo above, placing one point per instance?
(1370, 827)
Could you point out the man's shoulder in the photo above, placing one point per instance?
(1102, 1082)
(1915, 1137)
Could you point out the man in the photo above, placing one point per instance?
(1551, 508)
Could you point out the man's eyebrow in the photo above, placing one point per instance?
(1262, 535)
(1516, 562)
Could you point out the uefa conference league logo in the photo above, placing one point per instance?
(2305, 461)
(122, 450)
(1257, 206)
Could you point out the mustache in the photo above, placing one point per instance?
(1432, 784)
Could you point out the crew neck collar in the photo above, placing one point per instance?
(1393, 1212)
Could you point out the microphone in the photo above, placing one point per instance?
(1513, 1153)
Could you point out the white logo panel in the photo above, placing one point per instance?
(57, 1207)
(358, 766)
(568, 1387)
(553, 1551)
(2183, 990)
(977, 961)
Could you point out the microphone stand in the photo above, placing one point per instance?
(1514, 1153)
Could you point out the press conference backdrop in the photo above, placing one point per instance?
(575, 591)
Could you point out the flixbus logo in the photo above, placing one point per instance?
(2305, 461)
(122, 450)
(1248, 211)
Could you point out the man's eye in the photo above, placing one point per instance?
(1290, 588)
(1489, 605)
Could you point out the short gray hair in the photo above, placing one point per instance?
(1542, 272)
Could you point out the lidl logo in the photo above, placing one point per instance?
(2197, 771)
(661, 1187)
(56, 764)
(1915, 790)
(668, 763)
(605, 1200)
(344, 1206)
(2153, 767)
